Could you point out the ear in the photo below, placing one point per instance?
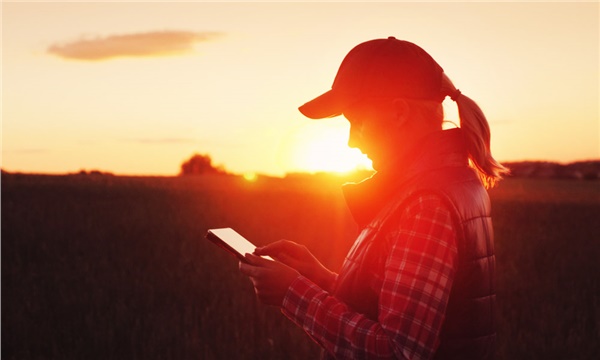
(401, 111)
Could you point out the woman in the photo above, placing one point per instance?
(419, 279)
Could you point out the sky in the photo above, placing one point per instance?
(137, 88)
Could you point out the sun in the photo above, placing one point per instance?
(322, 146)
(250, 176)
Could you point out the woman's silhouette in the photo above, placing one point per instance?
(419, 279)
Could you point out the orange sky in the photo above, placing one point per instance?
(136, 88)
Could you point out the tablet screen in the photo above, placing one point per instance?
(233, 242)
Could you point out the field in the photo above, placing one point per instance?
(105, 267)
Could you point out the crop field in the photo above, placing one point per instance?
(107, 267)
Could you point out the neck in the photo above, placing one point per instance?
(439, 149)
(402, 155)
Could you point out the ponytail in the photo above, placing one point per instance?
(477, 134)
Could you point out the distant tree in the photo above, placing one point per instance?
(200, 164)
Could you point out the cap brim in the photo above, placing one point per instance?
(324, 106)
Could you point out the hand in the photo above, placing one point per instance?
(300, 258)
(271, 279)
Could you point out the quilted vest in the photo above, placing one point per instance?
(468, 331)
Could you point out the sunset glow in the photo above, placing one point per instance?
(137, 87)
(323, 147)
(250, 176)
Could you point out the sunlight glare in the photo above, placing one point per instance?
(322, 146)
(250, 176)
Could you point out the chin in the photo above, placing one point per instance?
(376, 165)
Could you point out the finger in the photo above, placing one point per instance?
(244, 268)
(249, 270)
(258, 261)
(269, 249)
(277, 248)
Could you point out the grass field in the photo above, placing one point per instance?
(103, 267)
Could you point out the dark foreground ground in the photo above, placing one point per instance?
(103, 267)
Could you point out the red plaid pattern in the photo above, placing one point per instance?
(413, 293)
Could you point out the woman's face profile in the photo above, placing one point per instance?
(372, 130)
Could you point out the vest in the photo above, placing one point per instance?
(468, 331)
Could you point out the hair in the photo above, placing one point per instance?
(477, 134)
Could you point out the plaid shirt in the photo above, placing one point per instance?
(413, 293)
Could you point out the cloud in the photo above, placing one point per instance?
(148, 44)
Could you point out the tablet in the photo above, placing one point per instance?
(234, 243)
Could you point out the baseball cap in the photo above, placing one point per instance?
(380, 68)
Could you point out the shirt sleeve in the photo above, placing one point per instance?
(419, 270)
